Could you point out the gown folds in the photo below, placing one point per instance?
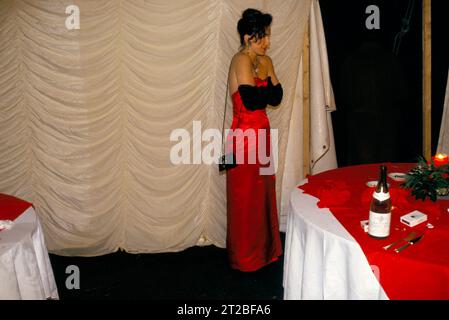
(253, 238)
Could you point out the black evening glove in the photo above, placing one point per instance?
(253, 97)
(275, 93)
(256, 98)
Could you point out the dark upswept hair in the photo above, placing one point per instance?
(253, 23)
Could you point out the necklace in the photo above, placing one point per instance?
(255, 66)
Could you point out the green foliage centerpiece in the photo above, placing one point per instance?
(428, 180)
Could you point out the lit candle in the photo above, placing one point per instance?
(440, 159)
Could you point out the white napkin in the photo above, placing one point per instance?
(6, 224)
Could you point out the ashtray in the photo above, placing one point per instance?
(373, 184)
(397, 176)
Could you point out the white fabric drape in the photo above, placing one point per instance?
(443, 142)
(86, 116)
(322, 147)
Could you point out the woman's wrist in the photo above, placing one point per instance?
(274, 79)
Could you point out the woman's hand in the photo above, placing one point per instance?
(268, 65)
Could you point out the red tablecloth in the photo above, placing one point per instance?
(12, 207)
(418, 272)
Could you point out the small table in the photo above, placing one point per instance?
(25, 269)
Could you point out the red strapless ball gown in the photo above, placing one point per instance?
(253, 238)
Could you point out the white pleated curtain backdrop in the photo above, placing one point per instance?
(86, 115)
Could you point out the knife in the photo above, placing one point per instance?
(413, 241)
(409, 237)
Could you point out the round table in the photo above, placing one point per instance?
(328, 255)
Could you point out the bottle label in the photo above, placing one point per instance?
(379, 224)
(381, 196)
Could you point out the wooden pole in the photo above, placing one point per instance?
(306, 102)
(427, 80)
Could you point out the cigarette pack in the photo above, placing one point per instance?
(414, 218)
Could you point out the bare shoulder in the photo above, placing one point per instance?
(241, 64)
(241, 70)
(241, 60)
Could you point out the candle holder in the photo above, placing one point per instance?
(440, 159)
(428, 179)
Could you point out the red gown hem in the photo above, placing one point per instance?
(233, 266)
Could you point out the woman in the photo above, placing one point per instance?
(253, 239)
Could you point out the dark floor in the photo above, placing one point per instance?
(195, 273)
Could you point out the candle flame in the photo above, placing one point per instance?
(441, 156)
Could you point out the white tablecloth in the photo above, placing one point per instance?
(322, 260)
(25, 269)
